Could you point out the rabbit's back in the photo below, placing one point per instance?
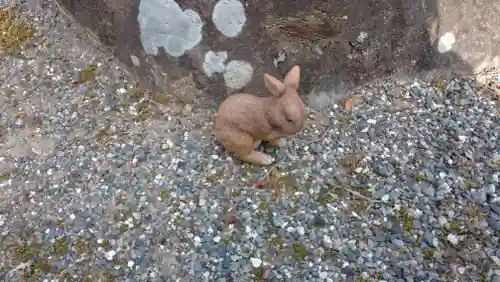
(246, 113)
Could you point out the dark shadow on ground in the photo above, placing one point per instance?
(398, 42)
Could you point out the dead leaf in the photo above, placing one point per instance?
(351, 102)
(269, 179)
(88, 73)
(277, 194)
(160, 98)
(232, 218)
(261, 184)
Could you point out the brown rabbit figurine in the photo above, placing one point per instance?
(244, 120)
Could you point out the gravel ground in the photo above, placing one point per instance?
(101, 182)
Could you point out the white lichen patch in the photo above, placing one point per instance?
(280, 58)
(164, 24)
(214, 62)
(238, 74)
(446, 42)
(229, 17)
(362, 36)
(135, 60)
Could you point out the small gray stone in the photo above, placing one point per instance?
(327, 242)
(417, 187)
(495, 278)
(429, 190)
(494, 223)
(430, 239)
(495, 207)
(479, 195)
(490, 189)
(384, 169)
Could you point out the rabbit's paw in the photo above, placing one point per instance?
(258, 158)
(267, 160)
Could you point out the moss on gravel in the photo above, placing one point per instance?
(420, 177)
(276, 241)
(14, 32)
(40, 260)
(258, 274)
(88, 73)
(405, 219)
(299, 251)
(5, 176)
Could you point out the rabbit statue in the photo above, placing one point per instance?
(244, 120)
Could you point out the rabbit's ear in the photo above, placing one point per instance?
(275, 86)
(292, 78)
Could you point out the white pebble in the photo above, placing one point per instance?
(110, 255)
(442, 221)
(130, 264)
(301, 230)
(452, 239)
(495, 259)
(235, 258)
(327, 241)
(197, 241)
(371, 121)
(256, 262)
(323, 275)
(202, 202)
(217, 239)
(385, 198)
(248, 229)
(168, 144)
(446, 42)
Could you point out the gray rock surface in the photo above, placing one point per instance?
(103, 181)
(338, 44)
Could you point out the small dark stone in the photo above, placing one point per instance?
(347, 271)
(495, 207)
(494, 223)
(383, 169)
(319, 221)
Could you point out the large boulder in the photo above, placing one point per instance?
(222, 46)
